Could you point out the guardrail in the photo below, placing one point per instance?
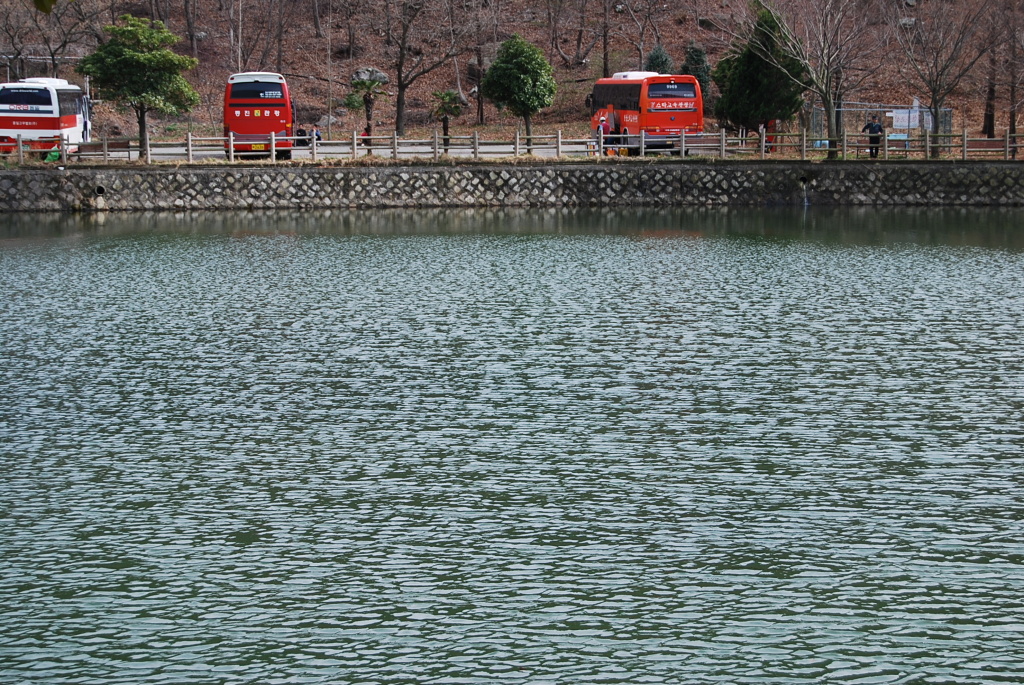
(198, 149)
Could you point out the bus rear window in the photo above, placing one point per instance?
(25, 96)
(257, 91)
(671, 90)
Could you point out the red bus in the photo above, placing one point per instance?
(660, 105)
(256, 104)
(43, 111)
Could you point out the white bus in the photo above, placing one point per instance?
(42, 111)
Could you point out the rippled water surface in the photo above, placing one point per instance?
(538, 447)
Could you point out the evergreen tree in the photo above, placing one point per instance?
(521, 80)
(696, 65)
(658, 61)
(754, 90)
(136, 68)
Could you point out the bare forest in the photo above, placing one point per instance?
(965, 58)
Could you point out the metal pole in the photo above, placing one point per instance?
(761, 138)
(354, 153)
(643, 142)
(394, 145)
(1006, 145)
(437, 153)
(106, 150)
(600, 142)
(885, 146)
(803, 144)
(844, 144)
(231, 146)
(273, 148)
(516, 150)
(682, 144)
(149, 153)
(188, 146)
(558, 143)
(476, 144)
(721, 143)
(964, 154)
(21, 151)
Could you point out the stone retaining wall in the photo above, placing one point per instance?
(632, 183)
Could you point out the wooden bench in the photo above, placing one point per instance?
(95, 148)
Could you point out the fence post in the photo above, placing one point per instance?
(437, 154)
(643, 143)
(885, 146)
(721, 143)
(600, 142)
(312, 147)
(394, 145)
(927, 146)
(844, 144)
(273, 148)
(761, 139)
(558, 143)
(803, 144)
(21, 151)
(476, 144)
(1006, 145)
(63, 150)
(964, 142)
(353, 145)
(188, 146)
(231, 146)
(149, 152)
(682, 144)
(515, 151)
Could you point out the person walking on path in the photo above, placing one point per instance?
(874, 131)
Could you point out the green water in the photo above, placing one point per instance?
(520, 447)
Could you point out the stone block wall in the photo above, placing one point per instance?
(629, 183)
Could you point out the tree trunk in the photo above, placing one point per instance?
(480, 80)
(190, 24)
(400, 108)
(317, 26)
(140, 114)
(988, 126)
(1011, 126)
(368, 106)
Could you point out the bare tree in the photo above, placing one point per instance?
(941, 41)
(420, 36)
(829, 38)
(572, 22)
(642, 28)
(67, 31)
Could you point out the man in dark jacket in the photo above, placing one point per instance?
(874, 131)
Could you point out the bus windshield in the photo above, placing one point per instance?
(671, 90)
(252, 90)
(25, 96)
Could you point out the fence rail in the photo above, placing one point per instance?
(198, 149)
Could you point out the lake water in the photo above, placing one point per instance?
(708, 446)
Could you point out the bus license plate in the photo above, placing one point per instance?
(258, 147)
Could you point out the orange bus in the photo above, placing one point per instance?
(256, 104)
(660, 105)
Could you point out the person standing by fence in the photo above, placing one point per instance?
(874, 131)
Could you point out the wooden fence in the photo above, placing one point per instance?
(197, 149)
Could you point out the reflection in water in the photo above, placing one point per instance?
(566, 446)
(853, 226)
